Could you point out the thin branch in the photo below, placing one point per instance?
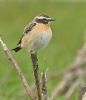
(72, 73)
(58, 90)
(36, 74)
(84, 97)
(44, 86)
(69, 79)
(79, 62)
(18, 70)
(82, 90)
(72, 89)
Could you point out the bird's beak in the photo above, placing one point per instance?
(52, 19)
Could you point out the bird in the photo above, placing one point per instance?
(36, 35)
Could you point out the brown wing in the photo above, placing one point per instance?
(27, 29)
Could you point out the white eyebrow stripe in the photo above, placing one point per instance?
(41, 17)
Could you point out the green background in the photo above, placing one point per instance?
(68, 38)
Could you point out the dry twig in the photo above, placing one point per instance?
(84, 97)
(82, 91)
(74, 71)
(72, 89)
(17, 68)
(44, 86)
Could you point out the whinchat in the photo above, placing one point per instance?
(37, 34)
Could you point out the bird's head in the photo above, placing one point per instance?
(44, 19)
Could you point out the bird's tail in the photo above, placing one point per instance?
(17, 49)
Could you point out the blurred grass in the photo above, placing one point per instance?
(68, 33)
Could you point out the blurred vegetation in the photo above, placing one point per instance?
(68, 33)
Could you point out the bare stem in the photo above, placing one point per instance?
(44, 86)
(36, 74)
(18, 70)
(72, 89)
(82, 92)
(84, 97)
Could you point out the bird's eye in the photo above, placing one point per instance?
(45, 21)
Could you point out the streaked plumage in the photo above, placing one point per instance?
(36, 35)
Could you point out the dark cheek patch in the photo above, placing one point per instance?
(44, 21)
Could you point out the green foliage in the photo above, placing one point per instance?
(68, 33)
